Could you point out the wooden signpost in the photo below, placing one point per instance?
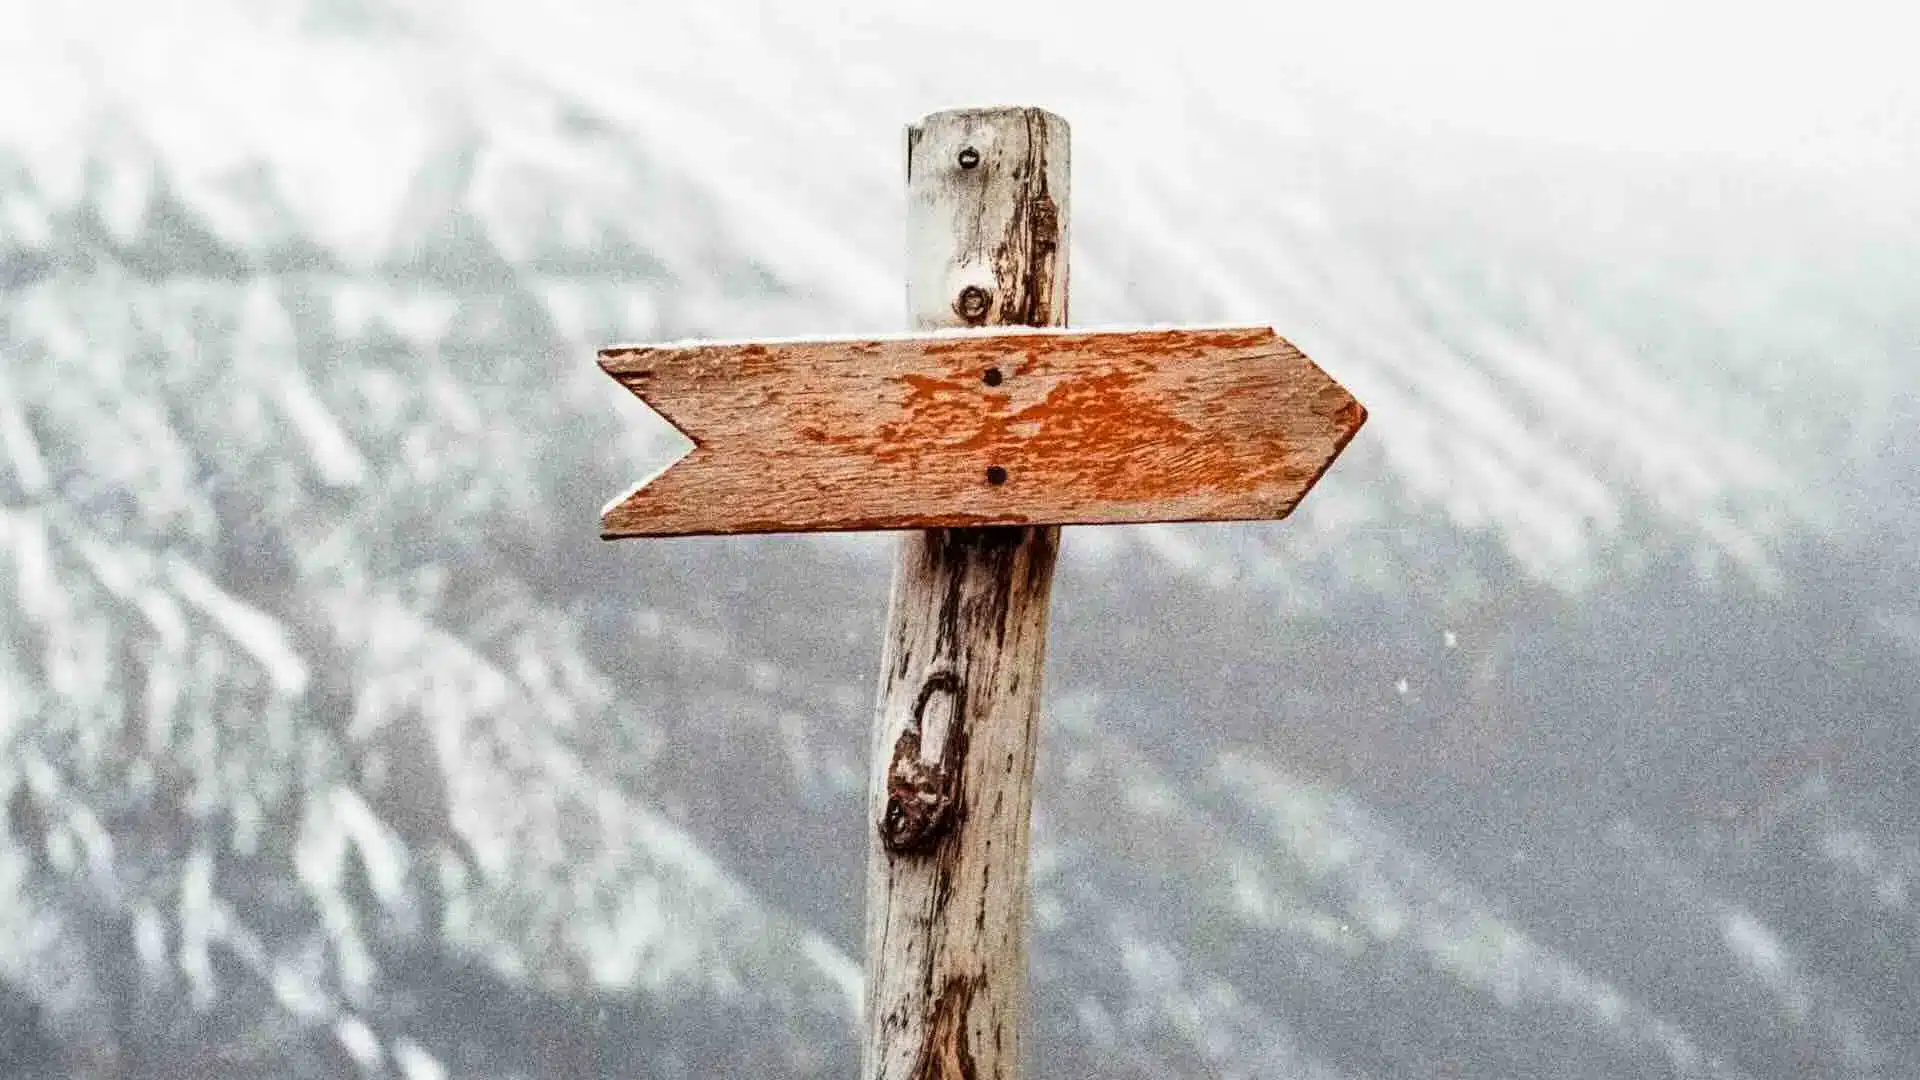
(983, 442)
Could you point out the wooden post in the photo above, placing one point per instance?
(951, 789)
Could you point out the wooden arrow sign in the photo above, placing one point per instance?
(1008, 426)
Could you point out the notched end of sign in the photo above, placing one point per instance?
(664, 439)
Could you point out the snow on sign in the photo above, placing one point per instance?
(1010, 426)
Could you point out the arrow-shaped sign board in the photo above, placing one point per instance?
(1008, 426)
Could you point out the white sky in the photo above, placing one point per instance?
(1632, 74)
(1831, 84)
(1835, 81)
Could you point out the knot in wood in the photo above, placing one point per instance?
(923, 795)
(919, 801)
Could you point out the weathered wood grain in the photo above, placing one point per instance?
(1008, 427)
(951, 788)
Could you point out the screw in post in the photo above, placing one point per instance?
(996, 475)
(969, 157)
(973, 303)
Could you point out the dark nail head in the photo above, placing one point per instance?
(973, 303)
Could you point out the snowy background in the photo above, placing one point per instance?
(1570, 728)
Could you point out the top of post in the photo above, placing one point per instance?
(988, 118)
(990, 112)
(987, 218)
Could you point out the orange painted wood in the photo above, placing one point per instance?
(1008, 426)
